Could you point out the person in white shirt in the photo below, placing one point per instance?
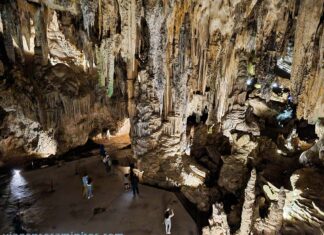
(90, 188)
(84, 184)
(108, 134)
(107, 162)
(167, 220)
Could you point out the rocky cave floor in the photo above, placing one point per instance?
(50, 200)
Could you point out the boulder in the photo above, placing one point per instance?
(319, 128)
(304, 205)
(261, 109)
(218, 222)
(314, 155)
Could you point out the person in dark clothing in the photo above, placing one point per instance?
(134, 182)
(18, 224)
(102, 150)
(131, 165)
(204, 116)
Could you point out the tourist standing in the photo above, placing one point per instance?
(167, 220)
(108, 163)
(89, 188)
(134, 182)
(84, 184)
(102, 150)
(108, 134)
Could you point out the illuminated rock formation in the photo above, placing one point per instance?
(212, 89)
(218, 222)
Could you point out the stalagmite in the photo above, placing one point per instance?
(248, 206)
(218, 222)
(8, 31)
(273, 222)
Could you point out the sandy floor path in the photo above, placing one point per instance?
(65, 211)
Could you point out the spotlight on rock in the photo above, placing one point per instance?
(274, 85)
(276, 88)
(249, 82)
(290, 99)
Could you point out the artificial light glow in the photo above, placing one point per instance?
(249, 82)
(290, 98)
(197, 171)
(188, 149)
(1, 25)
(18, 185)
(279, 151)
(274, 85)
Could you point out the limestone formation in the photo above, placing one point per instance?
(303, 210)
(272, 224)
(248, 206)
(319, 128)
(233, 174)
(58, 113)
(212, 89)
(218, 222)
(307, 56)
(314, 155)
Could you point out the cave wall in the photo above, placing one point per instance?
(55, 89)
(212, 89)
(171, 59)
(195, 54)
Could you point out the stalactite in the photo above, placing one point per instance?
(26, 27)
(304, 37)
(176, 57)
(204, 73)
(200, 71)
(132, 35)
(111, 69)
(7, 22)
(106, 64)
(41, 43)
(1, 24)
(17, 34)
(89, 9)
(100, 18)
(167, 98)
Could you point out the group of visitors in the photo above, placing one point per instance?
(131, 180)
